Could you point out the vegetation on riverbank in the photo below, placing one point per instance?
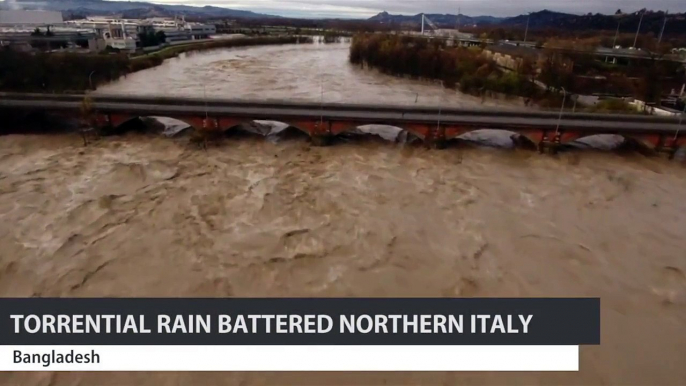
(612, 106)
(542, 76)
(69, 72)
(465, 68)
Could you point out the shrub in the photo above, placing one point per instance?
(613, 106)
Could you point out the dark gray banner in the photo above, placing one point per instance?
(349, 321)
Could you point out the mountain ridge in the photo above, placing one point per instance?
(131, 9)
(545, 19)
(628, 22)
(439, 19)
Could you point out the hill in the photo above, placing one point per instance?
(652, 21)
(132, 9)
(441, 20)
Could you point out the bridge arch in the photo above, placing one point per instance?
(389, 132)
(495, 137)
(639, 142)
(263, 128)
(305, 128)
(120, 123)
(595, 141)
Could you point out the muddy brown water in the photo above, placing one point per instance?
(305, 72)
(143, 215)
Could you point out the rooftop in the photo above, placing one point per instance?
(55, 30)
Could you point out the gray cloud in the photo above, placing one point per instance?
(365, 8)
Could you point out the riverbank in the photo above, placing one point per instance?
(474, 72)
(68, 72)
(455, 67)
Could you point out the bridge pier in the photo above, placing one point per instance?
(667, 151)
(440, 144)
(102, 124)
(668, 146)
(322, 140)
(550, 144)
(437, 137)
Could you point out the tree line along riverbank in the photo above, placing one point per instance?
(463, 68)
(539, 77)
(70, 72)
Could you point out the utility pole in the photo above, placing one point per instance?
(321, 100)
(681, 118)
(614, 42)
(639, 28)
(207, 112)
(423, 24)
(526, 32)
(321, 90)
(559, 120)
(662, 32)
(457, 21)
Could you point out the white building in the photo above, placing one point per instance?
(121, 34)
(122, 27)
(176, 30)
(179, 30)
(43, 30)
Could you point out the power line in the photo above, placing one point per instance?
(639, 28)
(662, 32)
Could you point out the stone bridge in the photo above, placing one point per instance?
(435, 126)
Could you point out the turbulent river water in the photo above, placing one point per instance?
(144, 215)
(305, 72)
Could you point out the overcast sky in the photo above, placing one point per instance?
(367, 8)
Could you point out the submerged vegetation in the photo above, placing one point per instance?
(70, 72)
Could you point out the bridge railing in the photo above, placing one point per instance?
(338, 107)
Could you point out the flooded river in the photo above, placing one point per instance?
(144, 215)
(306, 72)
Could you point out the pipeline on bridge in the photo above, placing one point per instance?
(434, 125)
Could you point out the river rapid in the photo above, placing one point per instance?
(305, 72)
(144, 215)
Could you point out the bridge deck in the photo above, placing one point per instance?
(380, 114)
(434, 109)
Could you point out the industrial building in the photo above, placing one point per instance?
(27, 30)
(123, 33)
(180, 30)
